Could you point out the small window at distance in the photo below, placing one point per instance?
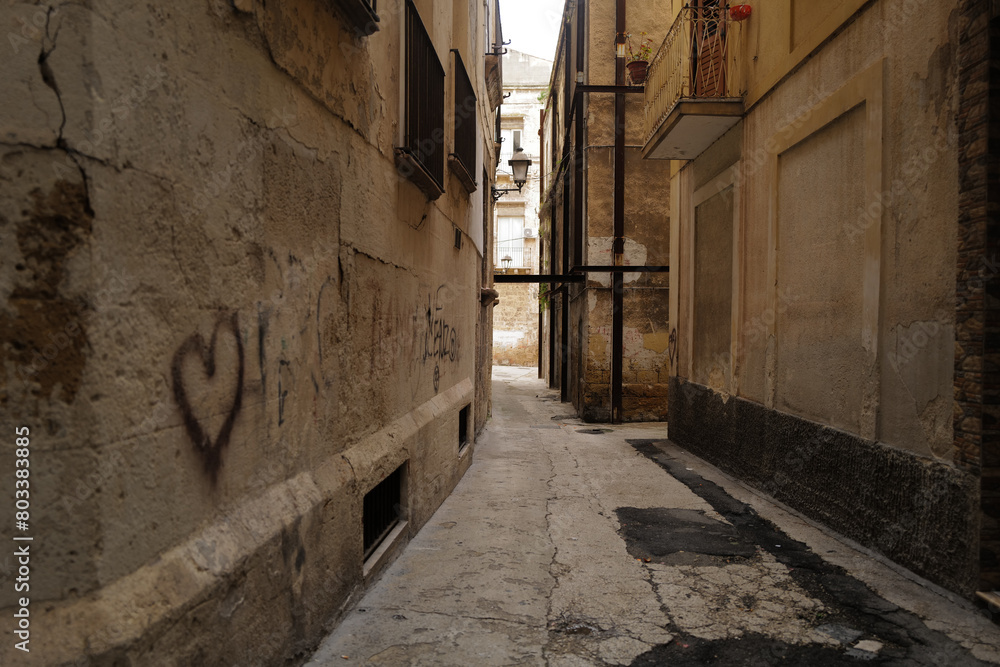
(463, 428)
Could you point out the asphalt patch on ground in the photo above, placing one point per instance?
(750, 650)
(854, 606)
(681, 537)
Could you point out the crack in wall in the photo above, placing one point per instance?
(357, 251)
(49, 77)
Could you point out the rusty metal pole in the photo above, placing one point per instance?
(567, 201)
(618, 249)
(581, 22)
(564, 296)
(542, 170)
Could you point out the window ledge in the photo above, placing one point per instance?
(458, 168)
(411, 168)
(384, 552)
(359, 14)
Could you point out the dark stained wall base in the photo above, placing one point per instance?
(921, 514)
(640, 402)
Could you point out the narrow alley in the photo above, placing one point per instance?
(566, 544)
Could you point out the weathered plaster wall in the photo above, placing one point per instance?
(820, 360)
(225, 317)
(906, 155)
(713, 284)
(847, 191)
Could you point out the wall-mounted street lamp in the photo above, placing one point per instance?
(506, 261)
(519, 164)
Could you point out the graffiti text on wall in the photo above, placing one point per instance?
(440, 337)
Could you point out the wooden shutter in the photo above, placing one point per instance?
(708, 41)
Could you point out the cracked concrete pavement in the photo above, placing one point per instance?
(528, 563)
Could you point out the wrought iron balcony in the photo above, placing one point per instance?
(693, 89)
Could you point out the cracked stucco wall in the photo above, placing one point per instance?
(224, 315)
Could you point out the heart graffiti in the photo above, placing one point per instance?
(210, 450)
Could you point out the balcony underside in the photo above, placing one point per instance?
(692, 126)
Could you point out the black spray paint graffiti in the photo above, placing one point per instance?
(282, 393)
(195, 344)
(440, 338)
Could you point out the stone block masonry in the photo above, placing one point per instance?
(515, 325)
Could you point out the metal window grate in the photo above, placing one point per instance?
(382, 510)
(361, 14)
(424, 98)
(465, 117)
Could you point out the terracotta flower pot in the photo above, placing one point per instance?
(739, 12)
(637, 70)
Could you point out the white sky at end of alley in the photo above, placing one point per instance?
(532, 26)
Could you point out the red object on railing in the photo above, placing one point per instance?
(739, 12)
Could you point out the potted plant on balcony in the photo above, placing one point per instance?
(638, 57)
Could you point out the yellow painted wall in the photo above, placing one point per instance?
(846, 182)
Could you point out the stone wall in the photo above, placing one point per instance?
(515, 325)
(588, 317)
(225, 316)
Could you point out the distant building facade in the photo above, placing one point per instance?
(612, 370)
(245, 310)
(516, 234)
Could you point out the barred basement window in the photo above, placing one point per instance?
(462, 161)
(421, 157)
(382, 510)
(463, 427)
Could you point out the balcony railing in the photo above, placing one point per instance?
(698, 60)
(520, 256)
